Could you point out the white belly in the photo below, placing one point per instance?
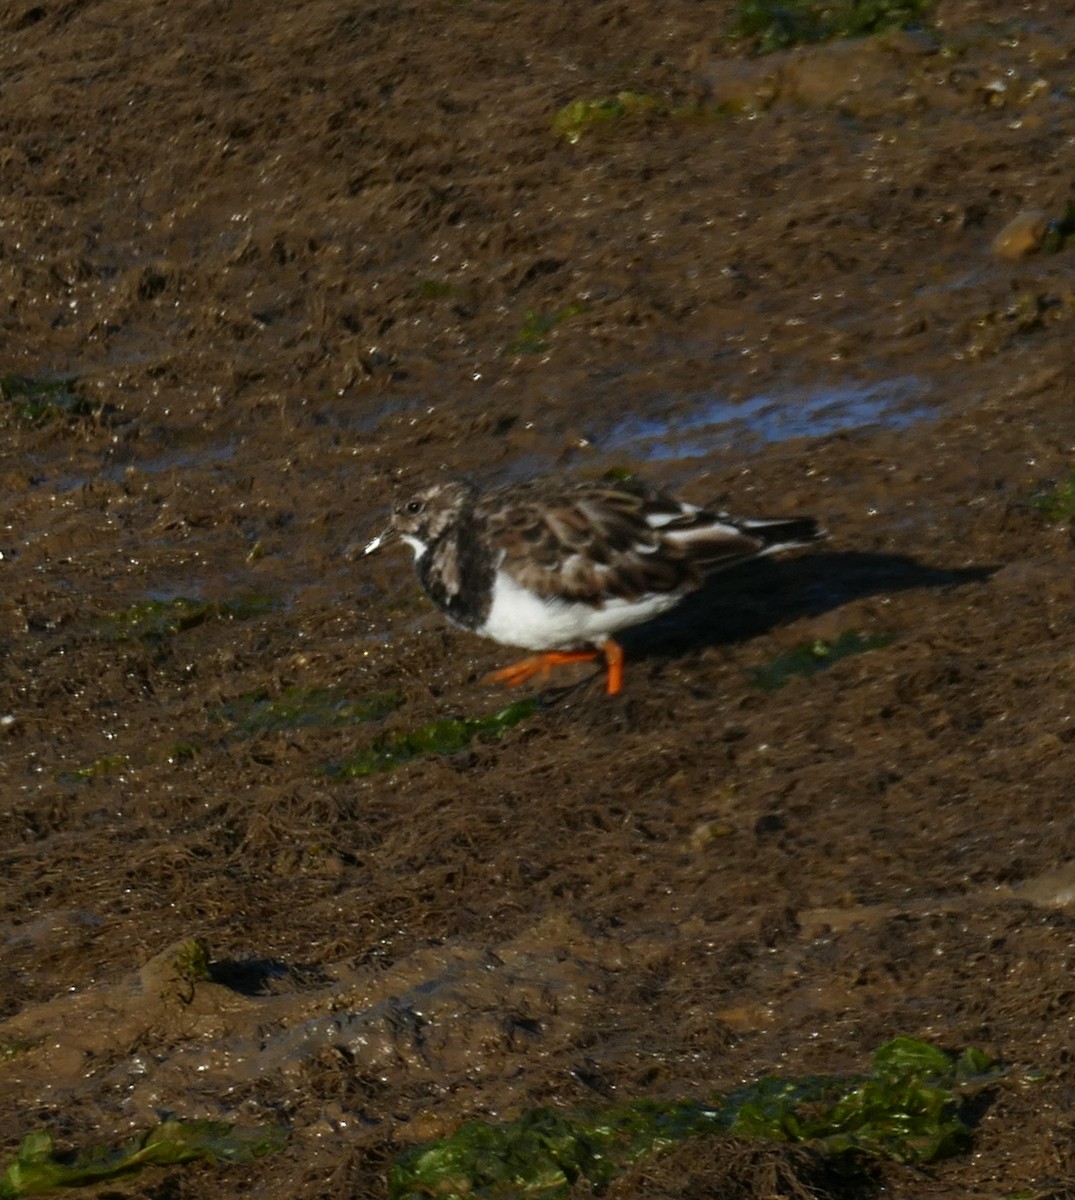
(520, 618)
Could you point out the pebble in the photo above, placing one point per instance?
(1022, 235)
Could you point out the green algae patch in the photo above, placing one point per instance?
(12, 1048)
(433, 289)
(180, 752)
(154, 620)
(1060, 232)
(101, 768)
(908, 1109)
(812, 657)
(190, 961)
(768, 25)
(303, 708)
(626, 480)
(587, 116)
(39, 401)
(532, 337)
(245, 607)
(446, 736)
(1058, 504)
(623, 476)
(574, 119)
(38, 1168)
(544, 1153)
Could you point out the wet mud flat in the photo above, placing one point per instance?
(270, 854)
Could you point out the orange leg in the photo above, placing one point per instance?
(613, 653)
(542, 665)
(537, 664)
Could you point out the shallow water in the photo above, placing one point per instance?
(696, 426)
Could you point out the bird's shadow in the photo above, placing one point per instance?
(747, 601)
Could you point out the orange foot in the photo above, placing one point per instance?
(542, 665)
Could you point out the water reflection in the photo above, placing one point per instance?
(697, 425)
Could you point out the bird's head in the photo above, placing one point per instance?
(420, 518)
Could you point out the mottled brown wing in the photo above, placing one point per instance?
(592, 542)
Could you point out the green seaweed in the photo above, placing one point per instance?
(182, 752)
(907, 1109)
(154, 620)
(580, 116)
(433, 289)
(445, 736)
(621, 475)
(38, 401)
(768, 25)
(38, 1168)
(531, 339)
(1060, 231)
(191, 961)
(245, 607)
(302, 708)
(1058, 503)
(626, 480)
(107, 764)
(575, 118)
(15, 1047)
(812, 657)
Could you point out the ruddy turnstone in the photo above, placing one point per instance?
(559, 567)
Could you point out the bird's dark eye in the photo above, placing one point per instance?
(413, 507)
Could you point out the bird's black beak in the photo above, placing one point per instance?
(382, 539)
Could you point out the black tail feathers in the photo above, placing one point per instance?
(777, 533)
